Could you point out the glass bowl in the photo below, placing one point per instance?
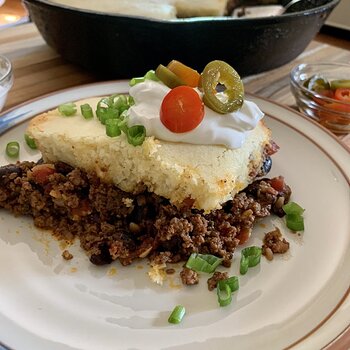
(322, 92)
(6, 79)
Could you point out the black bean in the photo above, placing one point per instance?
(63, 168)
(10, 169)
(103, 258)
(266, 167)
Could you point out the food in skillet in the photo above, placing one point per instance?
(157, 9)
(171, 169)
(172, 9)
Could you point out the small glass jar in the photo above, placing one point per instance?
(6, 79)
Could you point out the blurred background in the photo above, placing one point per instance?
(13, 12)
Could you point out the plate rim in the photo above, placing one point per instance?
(332, 344)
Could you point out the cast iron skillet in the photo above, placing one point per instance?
(123, 46)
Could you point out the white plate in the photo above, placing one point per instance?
(299, 300)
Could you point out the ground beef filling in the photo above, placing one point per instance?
(274, 243)
(217, 276)
(115, 225)
(189, 277)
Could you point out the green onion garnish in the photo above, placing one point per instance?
(136, 135)
(293, 208)
(177, 315)
(67, 109)
(123, 125)
(130, 101)
(250, 257)
(30, 141)
(113, 106)
(121, 102)
(225, 288)
(106, 111)
(232, 282)
(12, 149)
(135, 81)
(295, 222)
(151, 75)
(86, 111)
(224, 293)
(112, 128)
(294, 218)
(102, 105)
(203, 262)
(112, 112)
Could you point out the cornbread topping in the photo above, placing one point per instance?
(229, 129)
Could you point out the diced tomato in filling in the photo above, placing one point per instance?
(41, 173)
(272, 148)
(244, 235)
(83, 209)
(277, 183)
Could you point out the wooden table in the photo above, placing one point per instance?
(39, 70)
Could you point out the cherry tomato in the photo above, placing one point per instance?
(342, 94)
(182, 109)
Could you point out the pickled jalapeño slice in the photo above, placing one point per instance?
(231, 98)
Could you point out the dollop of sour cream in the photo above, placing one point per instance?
(229, 130)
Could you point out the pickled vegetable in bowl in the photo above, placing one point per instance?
(322, 91)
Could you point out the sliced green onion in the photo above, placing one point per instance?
(120, 102)
(30, 141)
(86, 111)
(112, 128)
(113, 107)
(293, 208)
(225, 288)
(130, 100)
(224, 293)
(244, 265)
(104, 111)
(123, 125)
(101, 107)
(12, 149)
(203, 262)
(67, 109)
(232, 282)
(250, 257)
(135, 81)
(294, 218)
(151, 75)
(295, 222)
(177, 314)
(136, 135)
